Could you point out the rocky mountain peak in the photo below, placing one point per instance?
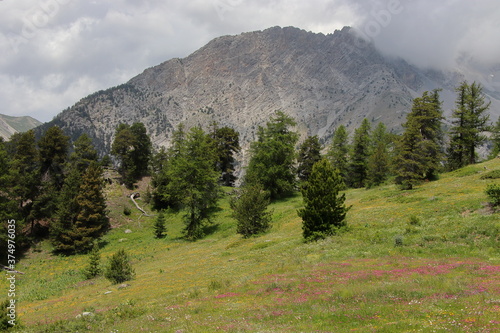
(239, 81)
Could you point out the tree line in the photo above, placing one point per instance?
(55, 189)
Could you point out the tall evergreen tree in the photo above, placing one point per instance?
(358, 166)
(84, 153)
(61, 229)
(25, 174)
(469, 122)
(189, 180)
(495, 151)
(419, 152)
(92, 221)
(309, 154)
(132, 146)
(53, 148)
(195, 175)
(273, 157)
(338, 152)
(250, 210)
(379, 160)
(168, 193)
(226, 145)
(8, 204)
(324, 209)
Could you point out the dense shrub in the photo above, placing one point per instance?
(119, 269)
(493, 192)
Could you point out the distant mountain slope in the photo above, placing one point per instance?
(320, 80)
(10, 125)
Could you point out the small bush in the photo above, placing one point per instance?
(413, 220)
(127, 211)
(493, 192)
(119, 269)
(398, 241)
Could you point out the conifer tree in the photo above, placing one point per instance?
(168, 192)
(273, 157)
(338, 152)
(309, 154)
(132, 146)
(25, 174)
(159, 226)
(226, 145)
(358, 166)
(94, 267)
(495, 151)
(250, 210)
(324, 209)
(194, 174)
(419, 152)
(84, 153)
(119, 268)
(53, 148)
(61, 229)
(91, 222)
(470, 121)
(379, 160)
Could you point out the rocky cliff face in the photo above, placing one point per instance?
(239, 81)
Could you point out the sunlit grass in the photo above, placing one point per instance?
(384, 273)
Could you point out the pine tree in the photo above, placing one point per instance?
(338, 152)
(194, 174)
(226, 145)
(84, 153)
(379, 160)
(132, 146)
(324, 209)
(419, 152)
(25, 174)
(159, 226)
(273, 157)
(495, 151)
(309, 154)
(53, 148)
(93, 269)
(358, 166)
(61, 229)
(470, 121)
(188, 179)
(119, 268)
(250, 210)
(91, 222)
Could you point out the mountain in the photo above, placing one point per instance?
(239, 81)
(10, 125)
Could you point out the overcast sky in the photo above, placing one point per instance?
(55, 52)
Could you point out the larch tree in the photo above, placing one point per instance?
(358, 165)
(338, 152)
(470, 120)
(272, 163)
(309, 154)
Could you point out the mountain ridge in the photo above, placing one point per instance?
(239, 81)
(10, 125)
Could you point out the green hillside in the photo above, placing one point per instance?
(426, 260)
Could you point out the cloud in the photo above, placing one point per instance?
(55, 52)
(433, 33)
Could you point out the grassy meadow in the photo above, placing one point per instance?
(426, 260)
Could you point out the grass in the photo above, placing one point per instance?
(424, 260)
